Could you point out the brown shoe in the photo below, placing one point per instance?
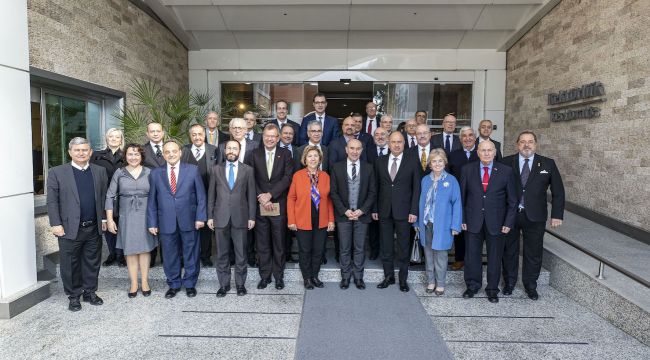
(457, 265)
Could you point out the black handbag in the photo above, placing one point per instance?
(416, 251)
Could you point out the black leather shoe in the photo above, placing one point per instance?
(146, 293)
(93, 299)
(290, 259)
(309, 285)
(133, 294)
(191, 292)
(110, 260)
(468, 294)
(404, 287)
(74, 305)
(373, 256)
(317, 283)
(360, 284)
(121, 261)
(324, 261)
(223, 291)
(152, 263)
(241, 290)
(262, 284)
(532, 294)
(386, 282)
(345, 283)
(279, 284)
(251, 263)
(508, 290)
(206, 263)
(171, 293)
(492, 297)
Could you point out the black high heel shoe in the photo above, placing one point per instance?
(133, 294)
(146, 293)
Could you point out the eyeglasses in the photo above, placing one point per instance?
(237, 128)
(315, 131)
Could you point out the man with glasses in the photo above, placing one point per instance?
(421, 117)
(251, 121)
(447, 140)
(329, 124)
(370, 121)
(238, 131)
(315, 132)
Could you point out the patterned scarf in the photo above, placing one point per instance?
(315, 195)
(429, 204)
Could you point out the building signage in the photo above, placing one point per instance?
(570, 104)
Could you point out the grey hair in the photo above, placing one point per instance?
(250, 113)
(233, 121)
(111, 130)
(77, 141)
(465, 128)
(386, 116)
(316, 123)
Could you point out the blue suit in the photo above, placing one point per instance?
(336, 151)
(447, 212)
(330, 129)
(175, 215)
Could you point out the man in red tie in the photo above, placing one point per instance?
(489, 204)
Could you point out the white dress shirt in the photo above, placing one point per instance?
(390, 161)
(373, 125)
(350, 167)
(201, 151)
(84, 168)
(242, 150)
(451, 140)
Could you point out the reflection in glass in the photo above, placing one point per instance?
(65, 119)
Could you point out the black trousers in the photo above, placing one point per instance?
(473, 264)
(388, 228)
(310, 250)
(459, 247)
(288, 241)
(154, 253)
(79, 261)
(269, 240)
(205, 234)
(373, 237)
(111, 242)
(533, 248)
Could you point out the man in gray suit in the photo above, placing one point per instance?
(76, 194)
(232, 184)
(314, 134)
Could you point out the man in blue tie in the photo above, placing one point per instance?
(329, 124)
(231, 212)
(447, 140)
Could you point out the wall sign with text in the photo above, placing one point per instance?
(576, 103)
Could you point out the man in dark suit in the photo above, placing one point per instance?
(534, 174)
(370, 122)
(204, 156)
(447, 140)
(337, 149)
(484, 131)
(76, 194)
(359, 134)
(281, 111)
(378, 149)
(489, 212)
(315, 132)
(398, 182)
(251, 121)
(410, 138)
(353, 191)
(273, 170)
(213, 135)
(153, 158)
(231, 212)
(329, 124)
(175, 211)
(287, 137)
(237, 127)
(420, 152)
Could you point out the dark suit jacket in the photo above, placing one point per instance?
(63, 207)
(366, 139)
(375, 124)
(250, 146)
(336, 151)
(297, 156)
(150, 159)
(331, 129)
(438, 141)
(185, 207)
(458, 159)
(414, 155)
(257, 138)
(109, 162)
(294, 125)
(497, 145)
(496, 207)
(407, 142)
(397, 199)
(281, 174)
(221, 137)
(544, 174)
(237, 205)
(339, 192)
(372, 152)
(211, 157)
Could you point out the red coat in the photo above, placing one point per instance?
(299, 201)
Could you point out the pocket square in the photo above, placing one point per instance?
(543, 172)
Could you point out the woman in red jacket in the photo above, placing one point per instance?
(311, 214)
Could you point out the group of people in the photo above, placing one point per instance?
(367, 184)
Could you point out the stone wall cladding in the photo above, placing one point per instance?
(106, 42)
(605, 162)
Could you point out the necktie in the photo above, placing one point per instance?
(158, 152)
(369, 130)
(172, 180)
(486, 178)
(212, 138)
(197, 156)
(269, 163)
(381, 150)
(525, 173)
(248, 136)
(412, 141)
(393, 169)
(447, 144)
(468, 154)
(423, 159)
(320, 120)
(231, 176)
(354, 171)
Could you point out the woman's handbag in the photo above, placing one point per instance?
(416, 251)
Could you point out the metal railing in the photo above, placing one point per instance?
(602, 262)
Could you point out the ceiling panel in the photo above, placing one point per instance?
(503, 17)
(404, 39)
(415, 17)
(302, 17)
(215, 39)
(484, 39)
(200, 17)
(291, 39)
